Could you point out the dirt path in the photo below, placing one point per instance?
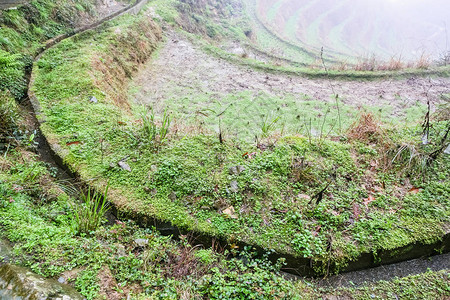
(182, 69)
(108, 7)
(103, 8)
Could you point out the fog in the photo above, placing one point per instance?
(385, 28)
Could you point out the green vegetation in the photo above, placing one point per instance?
(122, 260)
(307, 196)
(210, 19)
(26, 28)
(23, 32)
(88, 215)
(286, 180)
(37, 218)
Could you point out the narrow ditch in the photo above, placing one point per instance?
(388, 272)
(360, 271)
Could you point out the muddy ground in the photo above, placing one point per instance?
(182, 68)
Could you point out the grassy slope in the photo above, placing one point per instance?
(23, 32)
(36, 215)
(188, 181)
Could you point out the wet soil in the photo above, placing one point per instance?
(182, 68)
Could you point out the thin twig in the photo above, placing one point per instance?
(336, 96)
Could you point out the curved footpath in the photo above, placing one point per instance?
(296, 265)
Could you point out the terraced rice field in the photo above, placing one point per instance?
(386, 28)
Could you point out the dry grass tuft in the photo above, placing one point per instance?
(183, 264)
(394, 64)
(129, 50)
(366, 64)
(424, 62)
(367, 129)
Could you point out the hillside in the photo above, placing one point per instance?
(255, 162)
(384, 29)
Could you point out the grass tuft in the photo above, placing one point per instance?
(88, 214)
(367, 129)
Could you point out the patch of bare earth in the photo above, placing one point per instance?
(108, 285)
(103, 8)
(181, 69)
(109, 289)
